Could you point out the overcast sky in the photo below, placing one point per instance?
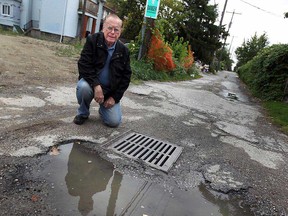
(258, 16)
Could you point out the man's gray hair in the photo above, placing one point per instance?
(112, 15)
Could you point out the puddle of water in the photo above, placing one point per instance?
(82, 183)
(234, 96)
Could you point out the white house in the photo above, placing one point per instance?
(10, 12)
(56, 18)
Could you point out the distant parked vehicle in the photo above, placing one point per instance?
(205, 68)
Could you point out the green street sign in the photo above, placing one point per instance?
(152, 7)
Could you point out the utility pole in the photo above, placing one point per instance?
(222, 16)
(218, 35)
(151, 12)
(223, 47)
(231, 44)
(146, 34)
(140, 53)
(230, 24)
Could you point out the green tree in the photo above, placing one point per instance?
(251, 48)
(170, 13)
(198, 27)
(132, 12)
(226, 61)
(192, 20)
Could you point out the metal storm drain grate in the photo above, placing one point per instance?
(156, 153)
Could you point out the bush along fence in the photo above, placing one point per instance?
(267, 73)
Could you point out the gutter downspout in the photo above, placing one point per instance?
(63, 22)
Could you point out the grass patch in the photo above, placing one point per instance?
(278, 111)
(7, 31)
(69, 50)
(144, 71)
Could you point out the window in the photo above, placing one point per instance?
(6, 10)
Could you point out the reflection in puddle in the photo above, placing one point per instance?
(87, 175)
(83, 183)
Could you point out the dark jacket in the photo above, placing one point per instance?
(93, 58)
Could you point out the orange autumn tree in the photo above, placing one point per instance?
(160, 53)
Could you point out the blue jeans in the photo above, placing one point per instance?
(85, 94)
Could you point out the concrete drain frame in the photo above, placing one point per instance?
(155, 153)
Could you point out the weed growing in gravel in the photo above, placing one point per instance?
(71, 50)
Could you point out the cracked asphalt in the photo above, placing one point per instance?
(228, 144)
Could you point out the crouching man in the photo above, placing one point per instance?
(104, 73)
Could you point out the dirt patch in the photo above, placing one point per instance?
(28, 61)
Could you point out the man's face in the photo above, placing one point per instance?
(112, 30)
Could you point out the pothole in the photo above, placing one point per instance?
(83, 183)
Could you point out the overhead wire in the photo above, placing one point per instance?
(266, 11)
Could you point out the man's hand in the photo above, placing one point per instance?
(109, 102)
(98, 94)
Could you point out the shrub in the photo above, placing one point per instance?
(143, 70)
(179, 48)
(160, 53)
(189, 59)
(267, 73)
(182, 52)
(134, 47)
